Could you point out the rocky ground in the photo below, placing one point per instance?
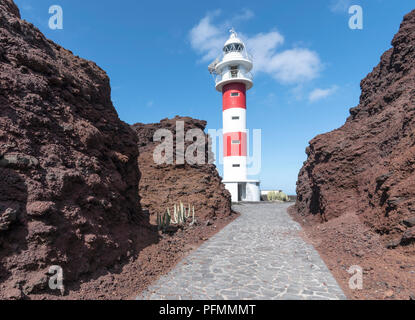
(346, 241)
(124, 280)
(356, 190)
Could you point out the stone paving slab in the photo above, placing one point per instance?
(260, 255)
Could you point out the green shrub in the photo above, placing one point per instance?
(281, 196)
(271, 196)
(277, 196)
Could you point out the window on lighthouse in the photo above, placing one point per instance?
(234, 71)
(236, 142)
(233, 47)
(236, 166)
(235, 94)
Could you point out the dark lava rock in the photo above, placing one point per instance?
(61, 145)
(161, 186)
(367, 166)
(408, 236)
(392, 244)
(410, 222)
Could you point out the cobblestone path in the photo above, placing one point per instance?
(260, 255)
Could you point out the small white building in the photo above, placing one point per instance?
(233, 80)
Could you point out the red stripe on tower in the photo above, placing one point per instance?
(234, 96)
(234, 144)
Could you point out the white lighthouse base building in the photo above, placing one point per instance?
(248, 190)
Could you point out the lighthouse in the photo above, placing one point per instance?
(233, 78)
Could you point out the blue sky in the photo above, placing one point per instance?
(308, 62)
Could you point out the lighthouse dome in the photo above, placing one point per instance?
(234, 65)
(233, 44)
(234, 52)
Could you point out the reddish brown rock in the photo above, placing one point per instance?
(409, 222)
(367, 166)
(408, 236)
(161, 186)
(68, 165)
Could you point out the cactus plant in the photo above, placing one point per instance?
(193, 216)
(175, 221)
(163, 222)
(180, 215)
(188, 212)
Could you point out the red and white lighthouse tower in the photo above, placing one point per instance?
(233, 80)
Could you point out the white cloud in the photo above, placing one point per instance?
(340, 6)
(206, 38)
(318, 94)
(262, 47)
(150, 103)
(294, 66)
(291, 66)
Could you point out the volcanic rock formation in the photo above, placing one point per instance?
(367, 166)
(68, 165)
(162, 186)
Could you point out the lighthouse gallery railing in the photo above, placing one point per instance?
(231, 74)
